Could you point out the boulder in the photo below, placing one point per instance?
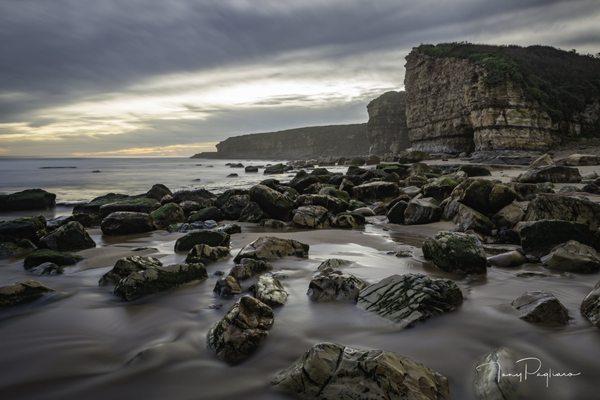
(572, 256)
(200, 196)
(205, 214)
(241, 331)
(333, 192)
(170, 213)
(440, 188)
(538, 238)
(126, 266)
(227, 287)
(376, 191)
(590, 307)
(510, 259)
(126, 223)
(204, 254)
(468, 219)
(93, 207)
(189, 207)
(250, 168)
(45, 255)
(528, 191)
(500, 196)
(493, 365)
(158, 191)
(269, 290)
(474, 193)
(132, 204)
(158, 279)
(311, 217)
(30, 199)
(333, 285)
(331, 371)
(273, 203)
(22, 292)
(552, 173)
(456, 252)
(234, 205)
(276, 169)
(229, 229)
(332, 264)
(395, 214)
(348, 220)
(410, 298)
(422, 211)
(252, 213)
(246, 268)
(511, 214)
(566, 208)
(541, 308)
(270, 248)
(69, 237)
(28, 228)
(365, 211)
(17, 248)
(211, 238)
(475, 170)
(333, 204)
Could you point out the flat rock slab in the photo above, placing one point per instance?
(407, 299)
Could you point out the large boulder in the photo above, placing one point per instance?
(348, 220)
(211, 238)
(538, 238)
(311, 217)
(334, 285)
(487, 384)
(45, 255)
(246, 268)
(333, 204)
(456, 252)
(126, 266)
(233, 206)
(93, 207)
(510, 215)
(410, 298)
(376, 191)
(204, 254)
(552, 173)
(22, 292)
(468, 219)
(133, 204)
(331, 371)
(158, 279)
(541, 308)
(241, 331)
(170, 213)
(422, 211)
(276, 169)
(472, 170)
(269, 290)
(275, 204)
(440, 188)
(396, 213)
(16, 248)
(29, 228)
(126, 223)
(270, 248)
(572, 256)
(509, 259)
(208, 213)
(590, 307)
(30, 199)
(252, 213)
(158, 191)
(482, 195)
(200, 196)
(69, 237)
(566, 208)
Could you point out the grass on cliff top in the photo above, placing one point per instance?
(562, 82)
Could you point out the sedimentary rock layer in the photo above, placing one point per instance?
(386, 129)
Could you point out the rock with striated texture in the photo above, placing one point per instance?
(538, 238)
(334, 285)
(376, 191)
(331, 371)
(553, 173)
(270, 248)
(541, 308)
(246, 268)
(407, 299)
(468, 219)
(422, 211)
(386, 128)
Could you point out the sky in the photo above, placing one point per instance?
(174, 77)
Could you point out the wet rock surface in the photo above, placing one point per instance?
(126, 223)
(69, 237)
(456, 252)
(22, 292)
(572, 256)
(269, 290)
(41, 256)
(331, 284)
(203, 253)
(541, 308)
(269, 248)
(210, 238)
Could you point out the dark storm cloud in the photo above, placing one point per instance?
(57, 52)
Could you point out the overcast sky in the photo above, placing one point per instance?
(173, 77)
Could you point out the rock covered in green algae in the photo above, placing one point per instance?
(330, 371)
(407, 299)
(170, 213)
(158, 279)
(273, 203)
(241, 331)
(41, 256)
(70, 237)
(22, 292)
(270, 247)
(456, 252)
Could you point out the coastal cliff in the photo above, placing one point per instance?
(386, 129)
(291, 144)
(464, 97)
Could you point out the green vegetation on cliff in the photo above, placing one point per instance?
(562, 82)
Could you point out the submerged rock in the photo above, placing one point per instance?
(332, 284)
(158, 279)
(126, 223)
(241, 331)
(269, 248)
(246, 268)
(541, 308)
(126, 266)
(331, 371)
(30, 199)
(203, 253)
(572, 256)
(407, 299)
(22, 292)
(45, 255)
(269, 290)
(456, 252)
(211, 238)
(488, 386)
(69, 237)
(590, 307)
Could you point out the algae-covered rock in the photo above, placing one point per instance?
(456, 252)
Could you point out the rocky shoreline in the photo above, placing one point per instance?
(545, 217)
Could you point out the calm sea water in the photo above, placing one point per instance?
(73, 179)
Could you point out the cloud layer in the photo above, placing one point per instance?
(170, 77)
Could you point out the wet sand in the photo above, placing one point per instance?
(89, 344)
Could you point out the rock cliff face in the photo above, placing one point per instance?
(300, 143)
(386, 129)
(462, 97)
